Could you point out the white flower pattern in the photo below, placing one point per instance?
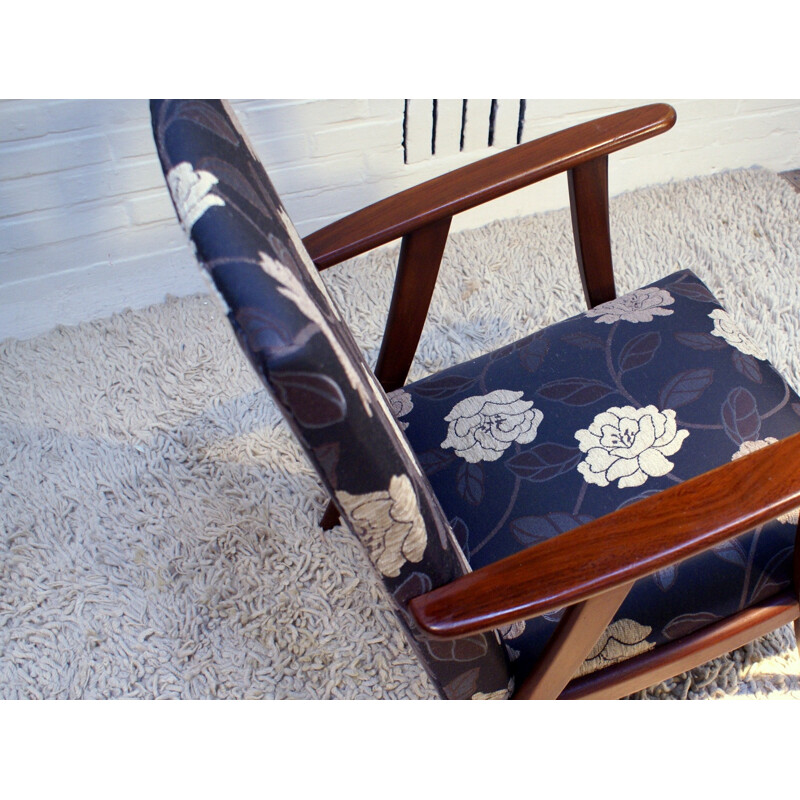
(629, 445)
(401, 404)
(513, 630)
(389, 523)
(639, 306)
(621, 640)
(745, 448)
(191, 191)
(726, 328)
(293, 290)
(483, 427)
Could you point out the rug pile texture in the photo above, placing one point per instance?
(159, 529)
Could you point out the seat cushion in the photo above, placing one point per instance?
(590, 415)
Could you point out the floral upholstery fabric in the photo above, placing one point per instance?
(295, 339)
(590, 415)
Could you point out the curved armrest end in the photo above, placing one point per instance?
(619, 548)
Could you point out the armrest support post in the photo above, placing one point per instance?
(420, 257)
(588, 200)
(484, 180)
(577, 633)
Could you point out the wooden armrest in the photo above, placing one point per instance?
(484, 180)
(619, 548)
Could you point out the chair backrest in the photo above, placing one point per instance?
(294, 336)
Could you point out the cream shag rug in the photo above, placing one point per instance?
(159, 523)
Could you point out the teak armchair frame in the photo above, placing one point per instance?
(591, 568)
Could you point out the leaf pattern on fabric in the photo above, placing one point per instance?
(699, 340)
(544, 462)
(533, 353)
(639, 351)
(748, 366)
(639, 306)
(530, 530)
(389, 523)
(731, 551)
(694, 291)
(469, 482)
(435, 459)
(685, 624)
(441, 386)
(585, 341)
(316, 399)
(620, 641)
(465, 685)
(629, 445)
(685, 387)
(768, 582)
(483, 427)
(202, 114)
(469, 649)
(191, 193)
(666, 577)
(726, 328)
(263, 331)
(740, 417)
(292, 289)
(575, 391)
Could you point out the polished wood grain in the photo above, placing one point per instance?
(417, 270)
(588, 200)
(577, 633)
(668, 660)
(484, 180)
(621, 547)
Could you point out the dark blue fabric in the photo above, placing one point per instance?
(511, 472)
(295, 339)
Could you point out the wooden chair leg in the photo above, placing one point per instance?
(330, 519)
(577, 633)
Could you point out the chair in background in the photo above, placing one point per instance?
(582, 513)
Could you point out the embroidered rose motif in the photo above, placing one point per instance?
(401, 404)
(513, 630)
(500, 694)
(484, 426)
(639, 306)
(191, 191)
(727, 329)
(745, 448)
(629, 445)
(621, 640)
(389, 523)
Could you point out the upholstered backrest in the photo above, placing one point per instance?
(294, 337)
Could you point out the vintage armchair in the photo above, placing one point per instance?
(582, 513)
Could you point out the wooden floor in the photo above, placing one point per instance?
(793, 176)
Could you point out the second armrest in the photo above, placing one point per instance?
(621, 547)
(483, 180)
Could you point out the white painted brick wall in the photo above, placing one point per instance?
(87, 229)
